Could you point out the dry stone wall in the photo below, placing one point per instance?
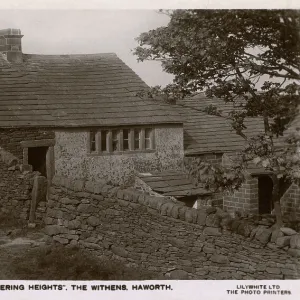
(16, 188)
(160, 235)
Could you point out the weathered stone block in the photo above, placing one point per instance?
(97, 197)
(123, 202)
(141, 199)
(253, 232)
(174, 211)
(289, 274)
(208, 250)
(74, 224)
(245, 229)
(272, 246)
(92, 239)
(212, 220)
(93, 221)
(85, 208)
(177, 242)
(294, 252)
(201, 219)
(295, 241)
(119, 251)
(273, 270)
(68, 201)
(263, 234)
(55, 229)
(179, 275)
(160, 202)
(61, 240)
(153, 201)
(163, 209)
(288, 231)
(189, 215)
(48, 221)
(182, 211)
(70, 236)
(90, 245)
(219, 259)
(73, 243)
(214, 231)
(277, 233)
(83, 195)
(283, 241)
(134, 205)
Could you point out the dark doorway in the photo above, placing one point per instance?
(265, 188)
(37, 158)
(188, 200)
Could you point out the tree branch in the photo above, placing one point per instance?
(293, 74)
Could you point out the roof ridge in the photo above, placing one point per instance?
(72, 54)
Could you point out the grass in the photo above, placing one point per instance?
(57, 262)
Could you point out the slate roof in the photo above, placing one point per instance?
(75, 91)
(205, 133)
(172, 183)
(200, 101)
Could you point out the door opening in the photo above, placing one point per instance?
(265, 188)
(37, 158)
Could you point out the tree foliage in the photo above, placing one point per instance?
(247, 58)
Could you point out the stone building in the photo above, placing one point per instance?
(78, 116)
(211, 138)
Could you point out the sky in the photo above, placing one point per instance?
(89, 31)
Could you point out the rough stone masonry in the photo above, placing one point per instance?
(16, 186)
(161, 235)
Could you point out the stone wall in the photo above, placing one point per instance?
(216, 199)
(72, 158)
(15, 190)
(10, 138)
(290, 202)
(160, 235)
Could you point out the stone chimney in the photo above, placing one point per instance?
(10, 44)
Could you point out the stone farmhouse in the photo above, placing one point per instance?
(78, 116)
(211, 138)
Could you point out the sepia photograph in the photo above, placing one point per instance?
(155, 144)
